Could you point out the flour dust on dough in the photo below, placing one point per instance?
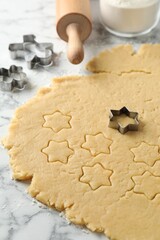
(60, 140)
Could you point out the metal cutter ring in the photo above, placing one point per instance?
(33, 52)
(12, 78)
(116, 125)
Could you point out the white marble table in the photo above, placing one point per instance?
(21, 217)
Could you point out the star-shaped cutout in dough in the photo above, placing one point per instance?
(57, 121)
(97, 144)
(58, 151)
(96, 176)
(147, 184)
(146, 153)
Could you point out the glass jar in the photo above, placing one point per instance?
(129, 18)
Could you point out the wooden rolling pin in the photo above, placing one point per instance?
(74, 26)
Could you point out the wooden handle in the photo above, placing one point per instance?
(74, 26)
(75, 46)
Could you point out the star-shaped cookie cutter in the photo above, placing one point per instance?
(12, 78)
(113, 123)
(33, 52)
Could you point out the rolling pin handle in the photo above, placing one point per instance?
(75, 50)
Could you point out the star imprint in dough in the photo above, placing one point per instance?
(146, 153)
(57, 121)
(96, 176)
(97, 144)
(147, 184)
(58, 151)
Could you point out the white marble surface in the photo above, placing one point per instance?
(20, 216)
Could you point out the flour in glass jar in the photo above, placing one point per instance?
(129, 17)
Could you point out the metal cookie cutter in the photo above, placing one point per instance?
(113, 123)
(12, 78)
(33, 52)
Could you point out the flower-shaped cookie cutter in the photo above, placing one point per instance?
(12, 78)
(33, 52)
(113, 123)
